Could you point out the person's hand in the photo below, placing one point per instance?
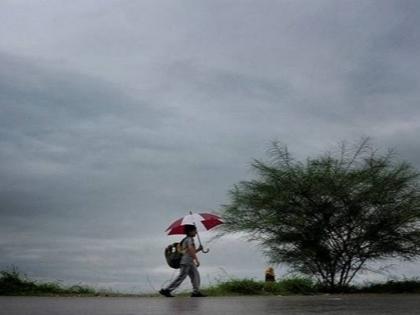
(200, 248)
(197, 263)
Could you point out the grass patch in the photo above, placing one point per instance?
(392, 286)
(288, 286)
(306, 286)
(14, 283)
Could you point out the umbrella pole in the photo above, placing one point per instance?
(205, 251)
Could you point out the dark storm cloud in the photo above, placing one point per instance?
(117, 117)
(64, 138)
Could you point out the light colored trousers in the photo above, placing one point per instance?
(187, 270)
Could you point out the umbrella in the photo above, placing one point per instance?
(202, 221)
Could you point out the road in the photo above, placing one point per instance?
(325, 304)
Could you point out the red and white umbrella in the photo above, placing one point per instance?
(202, 221)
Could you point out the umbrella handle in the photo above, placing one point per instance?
(205, 251)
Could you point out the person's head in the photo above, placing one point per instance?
(190, 230)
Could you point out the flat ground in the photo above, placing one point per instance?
(331, 304)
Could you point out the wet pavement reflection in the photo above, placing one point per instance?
(324, 304)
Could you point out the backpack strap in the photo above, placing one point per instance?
(179, 247)
(183, 240)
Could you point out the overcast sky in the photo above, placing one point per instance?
(117, 117)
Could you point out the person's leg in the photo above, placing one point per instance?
(183, 272)
(195, 278)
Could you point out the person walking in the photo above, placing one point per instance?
(269, 275)
(188, 266)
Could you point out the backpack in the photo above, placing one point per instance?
(173, 254)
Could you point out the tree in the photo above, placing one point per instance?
(329, 216)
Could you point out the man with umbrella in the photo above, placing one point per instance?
(189, 261)
(189, 264)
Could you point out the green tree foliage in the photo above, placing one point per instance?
(330, 215)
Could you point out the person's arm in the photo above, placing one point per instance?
(192, 252)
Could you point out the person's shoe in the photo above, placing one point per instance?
(198, 294)
(166, 293)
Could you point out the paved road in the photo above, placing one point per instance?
(326, 304)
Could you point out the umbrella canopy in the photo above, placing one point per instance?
(203, 222)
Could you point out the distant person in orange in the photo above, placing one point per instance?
(269, 275)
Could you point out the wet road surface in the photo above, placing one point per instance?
(325, 304)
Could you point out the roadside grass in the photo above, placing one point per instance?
(288, 286)
(13, 283)
(392, 286)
